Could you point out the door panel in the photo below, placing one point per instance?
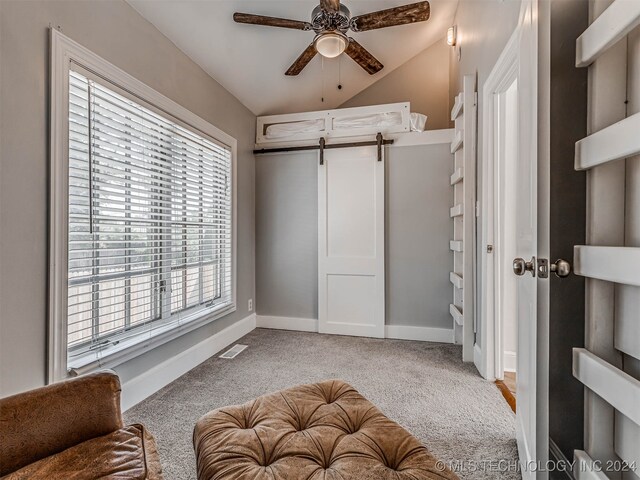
(530, 434)
(350, 204)
(351, 285)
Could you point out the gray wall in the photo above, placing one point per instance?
(484, 28)
(567, 221)
(113, 30)
(423, 81)
(418, 259)
(287, 234)
(418, 232)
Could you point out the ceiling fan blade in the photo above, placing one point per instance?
(302, 61)
(362, 57)
(330, 5)
(270, 21)
(402, 15)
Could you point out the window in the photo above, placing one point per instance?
(149, 225)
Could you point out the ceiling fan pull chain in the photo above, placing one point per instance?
(322, 82)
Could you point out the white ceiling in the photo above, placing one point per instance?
(250, 61)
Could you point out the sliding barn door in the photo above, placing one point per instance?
(351, 242)
(609, 365)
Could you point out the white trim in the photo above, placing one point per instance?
(146, 384)
(510, 361)
(477, 360)
(421, 334)
(287, 323)
(398, 332)
(63, 52)
(501, 77)
(428, 137)
(118, 357)
(329, 116)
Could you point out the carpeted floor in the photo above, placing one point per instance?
(423, 386)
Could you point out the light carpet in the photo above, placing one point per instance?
(425, 387)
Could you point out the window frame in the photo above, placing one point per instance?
(64, 52)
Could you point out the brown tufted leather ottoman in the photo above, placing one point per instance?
(322, 431)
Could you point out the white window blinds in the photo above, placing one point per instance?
(150, 222)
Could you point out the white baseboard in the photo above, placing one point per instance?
(510, 361)
(287, 323)
(146, 384)
(423, 334)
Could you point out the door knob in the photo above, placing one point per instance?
(561, 268)
(520, 266)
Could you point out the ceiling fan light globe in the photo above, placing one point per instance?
(330, 45)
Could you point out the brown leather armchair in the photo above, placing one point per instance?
(73, 430)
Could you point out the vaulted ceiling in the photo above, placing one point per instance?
(250, 61)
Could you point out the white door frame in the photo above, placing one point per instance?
(504, 73)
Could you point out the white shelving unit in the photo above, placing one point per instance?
(610, 258)
(463, 213)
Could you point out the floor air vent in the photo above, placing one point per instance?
(233, 351)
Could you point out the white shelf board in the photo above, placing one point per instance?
(428, 137)
(456, 245)
(615, 22)
(617, 388)
(613, 264)
(457, 176)
(456, 210)
(456, 280)
(615, 142)
(457, 106)
(457, 142)
(626, 439)
(456, 314)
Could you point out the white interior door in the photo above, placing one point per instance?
(351, 287)
(529, 423)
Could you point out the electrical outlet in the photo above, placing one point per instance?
(250, 305)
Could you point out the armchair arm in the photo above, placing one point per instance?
(48, 420)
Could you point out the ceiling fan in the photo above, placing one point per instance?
(331, 20)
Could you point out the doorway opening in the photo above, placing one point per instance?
(505, 182)
(504, 214)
